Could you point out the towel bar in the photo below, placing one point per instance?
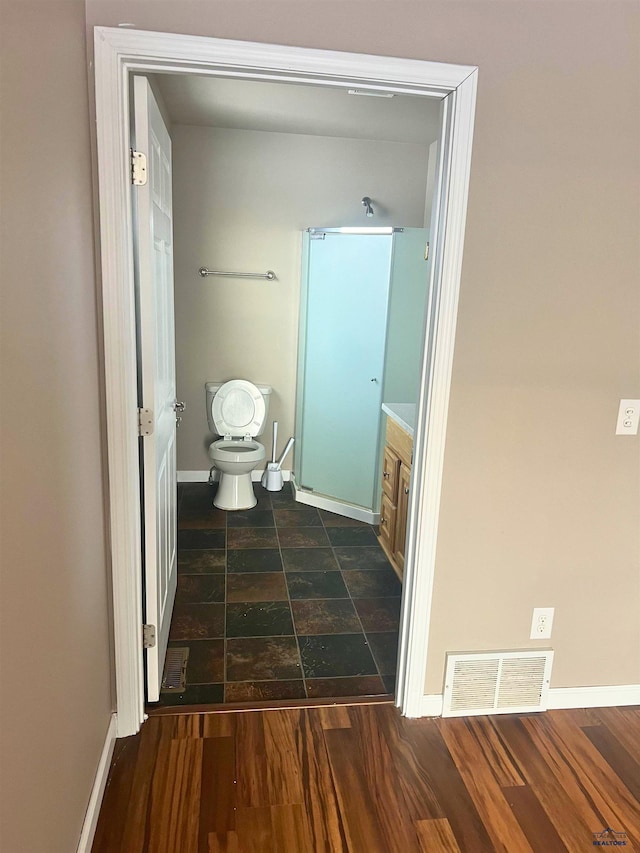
(269, 274)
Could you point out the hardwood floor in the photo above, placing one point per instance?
(363, 779)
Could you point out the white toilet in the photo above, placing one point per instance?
(237, 411)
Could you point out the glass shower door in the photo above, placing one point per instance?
(344, 317)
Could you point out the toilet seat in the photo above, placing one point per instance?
(228, 450)
(238, 409)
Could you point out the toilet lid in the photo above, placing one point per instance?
(238, 408)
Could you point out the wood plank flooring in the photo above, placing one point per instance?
(362, 779)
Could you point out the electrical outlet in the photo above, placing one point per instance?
(541, 623)
(628, 417)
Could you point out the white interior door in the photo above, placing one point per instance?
(157, 374)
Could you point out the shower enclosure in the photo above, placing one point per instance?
(343, 358)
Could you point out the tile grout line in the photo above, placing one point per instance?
(190, 641)
(271, 680)
(377, 674)
(288, 600)
(312, 548)
(226, 574)
(364, 633)
(293, 621)
(226, 580)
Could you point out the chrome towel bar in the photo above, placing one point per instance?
(269, 274)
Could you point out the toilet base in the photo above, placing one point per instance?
(235, 491)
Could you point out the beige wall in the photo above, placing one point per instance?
(541, 501)
(548, 498)
(55, 693)
(241, 200)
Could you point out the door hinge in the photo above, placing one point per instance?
(426, 252)
(138, 168)
(148, 636)
(145, 422)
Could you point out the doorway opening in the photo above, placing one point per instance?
(282, 601)
(119, 53)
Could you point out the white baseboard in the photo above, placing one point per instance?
(559, 698)
(431, 705)
(97, 792)
(334, 505)
(193, 476)
(203, 476)
(594, 697)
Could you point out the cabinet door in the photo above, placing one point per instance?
(387, 523)
(404, 479)
(390, 466)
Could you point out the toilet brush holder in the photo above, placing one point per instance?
(272, 477)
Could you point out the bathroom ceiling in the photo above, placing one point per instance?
(297, 108)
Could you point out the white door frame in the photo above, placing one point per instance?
(119, 52)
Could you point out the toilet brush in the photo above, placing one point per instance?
(271, 465)
(284, 453)
(272, 478)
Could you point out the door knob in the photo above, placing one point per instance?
(178, 407)
(374, 379)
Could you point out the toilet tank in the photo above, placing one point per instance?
(211, 389)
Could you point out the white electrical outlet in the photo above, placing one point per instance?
(628, 417)
(541, 623)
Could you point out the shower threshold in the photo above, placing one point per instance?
(332, 504)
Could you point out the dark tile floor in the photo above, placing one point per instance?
(280, 602)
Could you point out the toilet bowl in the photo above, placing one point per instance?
(235, 459)
(237, 411)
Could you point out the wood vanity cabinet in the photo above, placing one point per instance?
(396, 476)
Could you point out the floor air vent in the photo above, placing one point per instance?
(496, 683)
(174, 678)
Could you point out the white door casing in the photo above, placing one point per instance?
(118, 53)
(157, 373)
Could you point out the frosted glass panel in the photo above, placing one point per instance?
(344, 344)
(407, 311)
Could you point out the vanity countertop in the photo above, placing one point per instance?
(404, 414)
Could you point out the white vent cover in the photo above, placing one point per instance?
(496, 682)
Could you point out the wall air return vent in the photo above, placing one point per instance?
(174, 678)
(496, 682)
